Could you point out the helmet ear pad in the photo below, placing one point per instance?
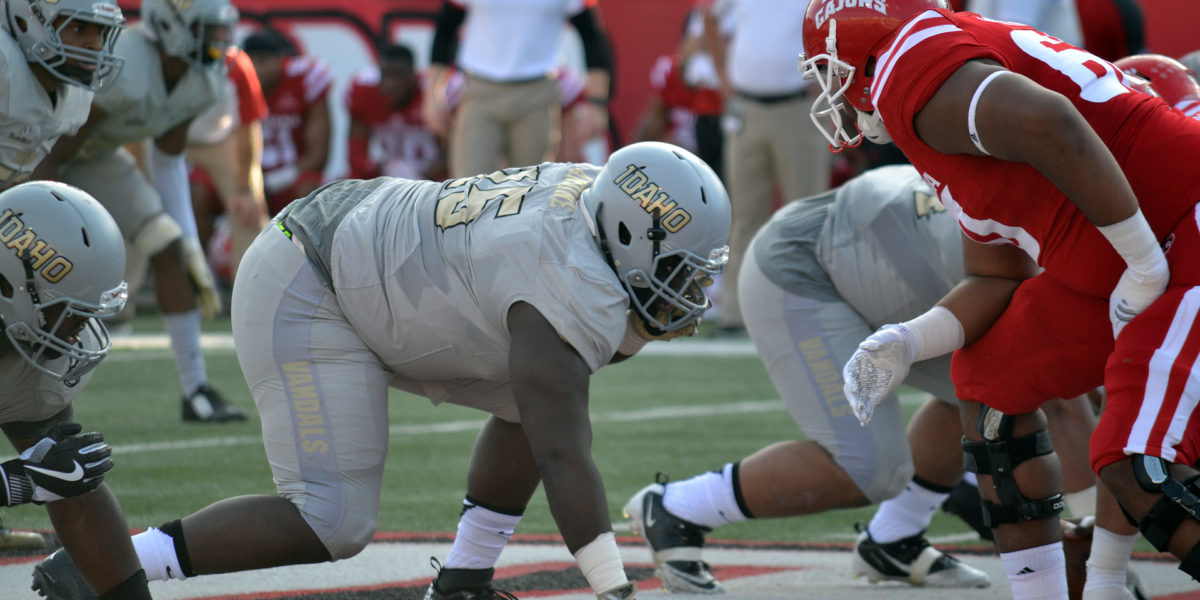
(661, 213)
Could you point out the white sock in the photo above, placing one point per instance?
(184, 331)
(970, 478)
(706, 499)
(1109, 559)
(1037, 573)
(156, 551)
(905, 515)
(1081, 503)
(482, 534)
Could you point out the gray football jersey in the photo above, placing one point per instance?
(426, 272)
(30, 122)
(881, 242)
(138, 106)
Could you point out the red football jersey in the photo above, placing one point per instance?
(1010, 202)
(306, 81)
(400, 143)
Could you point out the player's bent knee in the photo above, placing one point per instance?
(998, 455)
(1178, 500)
(351, 536)
(156, 234)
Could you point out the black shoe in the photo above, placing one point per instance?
(463, 584)
(912, 560)
(965, 503)
(206, 405)
(674, 542)
(57, 578)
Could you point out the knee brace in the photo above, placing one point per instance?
(998, 455)
(1181, 500)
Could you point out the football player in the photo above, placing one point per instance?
(502, 292)
(61, 271)
(53, 56)
(296, 130)
(387, 134)
(174, 69)
(1067, 193)
(822, 274)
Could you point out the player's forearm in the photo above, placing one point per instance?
(978, 301)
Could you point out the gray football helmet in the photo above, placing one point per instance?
(662, 217)
(183, 28)
(37, 26)
(62, 265)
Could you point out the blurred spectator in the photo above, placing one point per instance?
(579, 142)
(1111, 28)
(387, 135)
(769, 139)
(296, 132)
(509, 53)
(685, 104)
(225, 155)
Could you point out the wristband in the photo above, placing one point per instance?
(935, 332)
(1133, 239)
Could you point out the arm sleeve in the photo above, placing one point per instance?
(445, 34)
(596, 51)
(171, 180)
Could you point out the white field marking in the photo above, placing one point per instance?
(136, 346)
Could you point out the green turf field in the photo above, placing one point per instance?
(651, 414)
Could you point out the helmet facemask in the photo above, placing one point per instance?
(66, 327)
(834, 76)
(40, 30)
(673, 296)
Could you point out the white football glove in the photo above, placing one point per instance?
(206, 288)
(1135, 292)
(877, 368)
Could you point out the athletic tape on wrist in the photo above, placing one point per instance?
(600, 562)
(1133, 239)
(936, 332)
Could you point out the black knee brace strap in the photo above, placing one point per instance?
(998, 457)
(1180, 500)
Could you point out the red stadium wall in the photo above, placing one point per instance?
(344, 33)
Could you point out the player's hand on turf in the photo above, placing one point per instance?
(1135, 292)
(206, 287)
(877, 368)
(65, 463)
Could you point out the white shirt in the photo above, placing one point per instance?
(513, 40)
(765, 46)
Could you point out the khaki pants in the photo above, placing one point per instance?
(776, 145)
(503, 125)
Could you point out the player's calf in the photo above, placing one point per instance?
(1163, 500)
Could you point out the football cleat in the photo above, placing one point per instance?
(912, 560)
(206, 405)
(674, 542)
(463, 584)
(57, 578)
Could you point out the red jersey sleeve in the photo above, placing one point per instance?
(252, 104)
(925, 51)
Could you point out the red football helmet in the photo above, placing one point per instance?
(839, 36)
(1173, 81)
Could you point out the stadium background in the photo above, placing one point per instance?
(346, 33)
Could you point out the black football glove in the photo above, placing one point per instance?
(61, 465)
